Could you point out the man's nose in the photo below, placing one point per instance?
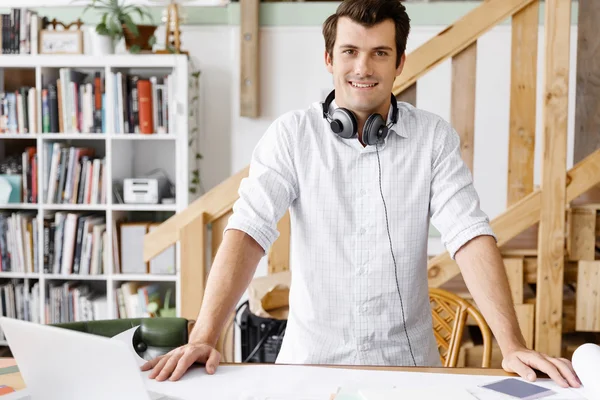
(363, 66)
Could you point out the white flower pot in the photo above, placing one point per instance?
(101, 45)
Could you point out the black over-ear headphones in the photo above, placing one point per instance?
(343, 122)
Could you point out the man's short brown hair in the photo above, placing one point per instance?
(369, 13)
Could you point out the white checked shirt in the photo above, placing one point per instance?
(344, 305)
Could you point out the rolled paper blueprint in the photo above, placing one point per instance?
(586, 362)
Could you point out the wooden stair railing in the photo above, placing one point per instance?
(523, 214)
(459, 42)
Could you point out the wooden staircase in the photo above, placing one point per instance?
(527, 208)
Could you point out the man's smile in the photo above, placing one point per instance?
(363, 85)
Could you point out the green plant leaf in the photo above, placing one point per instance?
(196, 181)
(135, 49)
(131, 26)
(152, 41)
(101, 29)
(196, 74)
(192, 190)
(114, 26)
(198, 156)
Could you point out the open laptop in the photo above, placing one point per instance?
(58, 363)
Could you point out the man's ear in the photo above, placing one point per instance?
(401, 65)
(328, 62)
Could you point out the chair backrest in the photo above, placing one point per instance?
(450, 313)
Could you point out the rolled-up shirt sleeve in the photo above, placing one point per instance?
(271, 185)
(454, 203)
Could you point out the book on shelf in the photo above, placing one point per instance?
(141, 104)
(73, 103)
(20, 29)
(73, 302)
(24, 166)
(133, 300)
(19, 242)
(75, 244)
(20, 299)
(73, 175)
(18, 111)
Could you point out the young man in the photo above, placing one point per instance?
(360, 197)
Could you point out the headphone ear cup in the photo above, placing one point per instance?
(374, 130)
(344, 123)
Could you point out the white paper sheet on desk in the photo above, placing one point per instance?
(287, 382)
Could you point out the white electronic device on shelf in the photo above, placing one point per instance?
(140, 191)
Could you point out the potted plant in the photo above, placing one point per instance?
(116, 23)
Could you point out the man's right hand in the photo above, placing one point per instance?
(175, 363)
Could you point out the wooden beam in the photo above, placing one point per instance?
(588, 298)
(525, 318)
(464, 72)
(193, 272)
(521, 215)
(587, 101)
(455, 38)
(581, 234)
(249, 48)
(515, 274)
(548, 310)
(279, 253)
(409, 95)
(521, 148)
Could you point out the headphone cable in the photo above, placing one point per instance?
(393, 257)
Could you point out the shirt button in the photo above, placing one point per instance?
(362, 231)
(363, 192)
(363, 309)
(361, 270)
(363, 347)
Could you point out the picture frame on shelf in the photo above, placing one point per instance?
(62, 41)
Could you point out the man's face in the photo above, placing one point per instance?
(364, 65)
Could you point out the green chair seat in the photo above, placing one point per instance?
(154, 336)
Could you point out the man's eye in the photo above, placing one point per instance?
(349, 51)
(381, 53)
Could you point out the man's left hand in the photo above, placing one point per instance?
(522, 361)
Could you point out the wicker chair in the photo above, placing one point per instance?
(450, 313)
